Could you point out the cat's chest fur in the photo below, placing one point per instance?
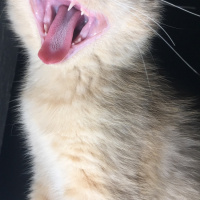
(64, 122)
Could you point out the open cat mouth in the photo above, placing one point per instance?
(65, 27)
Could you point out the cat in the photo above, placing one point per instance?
(100, 122)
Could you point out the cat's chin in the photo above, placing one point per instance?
(65, 28)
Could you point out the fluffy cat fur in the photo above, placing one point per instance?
(95, 128)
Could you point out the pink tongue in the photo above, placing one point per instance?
(59, 38)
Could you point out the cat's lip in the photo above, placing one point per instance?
(45, 11)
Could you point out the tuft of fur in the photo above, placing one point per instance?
(95, 128)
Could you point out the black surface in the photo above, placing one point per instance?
(14, 166)
(185, 31)
(8, 58)
(14, 163)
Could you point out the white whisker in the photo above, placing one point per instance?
(163, 39)
(154, 22)
(151, 54)
(171, 47)
(145, 68)
(189, 7)
(177, 28)
(181, 8)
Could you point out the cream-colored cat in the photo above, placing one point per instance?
(98, 127)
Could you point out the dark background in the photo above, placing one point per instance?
(14, 168)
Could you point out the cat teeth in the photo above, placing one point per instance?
(45, 28)
(78, 40)
(71, 6)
